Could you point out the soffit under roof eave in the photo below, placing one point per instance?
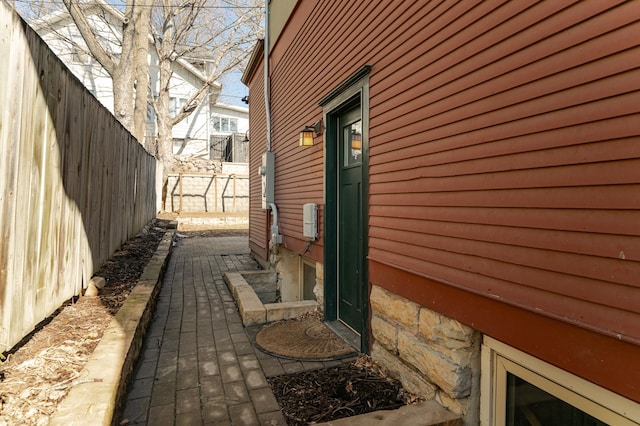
(254, 61)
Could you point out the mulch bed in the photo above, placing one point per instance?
(39, 372)
(343, 391)
(122, 270)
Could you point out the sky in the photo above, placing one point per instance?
(233, 89)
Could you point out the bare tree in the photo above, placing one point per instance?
(34, 9)
(197, 30)
(215, 36)
(121, 67)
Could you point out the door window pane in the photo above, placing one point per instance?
(352, 136)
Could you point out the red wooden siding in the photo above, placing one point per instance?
(530, 117)
(257, 145)
(504, 154)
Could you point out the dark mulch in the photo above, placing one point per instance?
(122, 270)
(38, 372)
(343, 391)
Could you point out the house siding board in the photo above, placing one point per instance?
(562, 241)
(622, 222)
(503, 159)
(524, 269)
(299, 172)
(257, 146)
(540, 150)
(488, 47)
(512, 135)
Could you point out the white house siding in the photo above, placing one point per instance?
(60, 33)
(61, 37)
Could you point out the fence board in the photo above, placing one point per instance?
(74, 184)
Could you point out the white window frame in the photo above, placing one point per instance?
(498, 359)
(176, 103)
(304, 261)
(231, 123)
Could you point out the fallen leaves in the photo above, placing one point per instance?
(346, 390)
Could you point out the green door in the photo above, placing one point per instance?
(350, 220)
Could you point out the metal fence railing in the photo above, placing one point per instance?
(233, 148)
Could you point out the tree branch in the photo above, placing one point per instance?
(96, 49)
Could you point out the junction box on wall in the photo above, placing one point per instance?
(266, 173)
(310, 221)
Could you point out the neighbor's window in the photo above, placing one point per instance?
(176, 105)
(151, 114)
(225, 124)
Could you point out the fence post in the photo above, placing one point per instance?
(215, 193)
(180, 180)
(234, 192)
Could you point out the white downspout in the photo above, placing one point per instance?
(267, 104)
(276, 238)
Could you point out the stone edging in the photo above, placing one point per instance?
(98, 396)
(253, 311)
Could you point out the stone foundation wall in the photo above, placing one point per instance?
(432, 355)
(238, 220)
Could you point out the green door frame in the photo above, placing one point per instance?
(354, 91)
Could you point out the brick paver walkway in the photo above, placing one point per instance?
(198, 365)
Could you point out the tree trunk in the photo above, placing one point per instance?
(143, 11)
(123, 77)
(165, 125)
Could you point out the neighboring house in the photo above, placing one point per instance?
(193, 135)
(229, 133)
(228, 127)
(476, 169)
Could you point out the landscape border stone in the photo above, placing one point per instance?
(98, 394)
(253, 311)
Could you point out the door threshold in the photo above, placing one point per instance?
(346, 333)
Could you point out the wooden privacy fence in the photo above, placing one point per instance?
(74, 184)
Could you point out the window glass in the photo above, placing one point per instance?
(176, 105)
(151, 114)
(529, 405)
(172, 106)
(352, 136)
(224, 124)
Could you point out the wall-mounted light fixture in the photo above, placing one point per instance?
(356, 141)
(246, 137)
(309, 132)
